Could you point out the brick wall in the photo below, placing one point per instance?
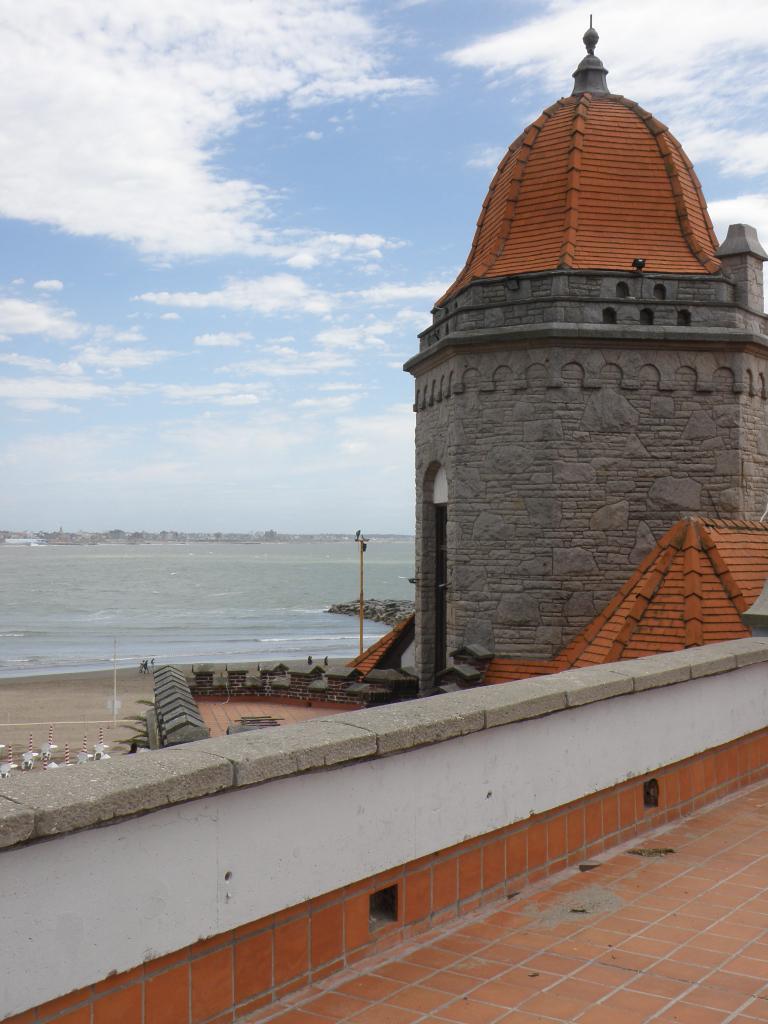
(297, 687)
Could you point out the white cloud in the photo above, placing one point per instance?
(337, 403)
(49, 286)
(215, 394)
(276, 293)
(217, 457)
(112, 117)
(107, 332)
(38, 363)
(387, 437)
(20, 317)
(133, 334)
(746, 209)
(339, 386)
(289, 362)
(116, 360)
(486, 158)
(384, 294)
(170, 316)
(304, 250)
(314, 136)
(365, 336)
(702, 45)
(36, 393)
(223, 339)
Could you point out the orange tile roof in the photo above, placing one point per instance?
(690, 590)
(373, 656)
(593, 183)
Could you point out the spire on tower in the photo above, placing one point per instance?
(589, 76)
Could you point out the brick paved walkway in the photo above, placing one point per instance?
(679, 938)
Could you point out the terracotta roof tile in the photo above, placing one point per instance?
(373, 656)
(594, 182)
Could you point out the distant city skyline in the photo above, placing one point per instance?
(224, 226)
(256, 536)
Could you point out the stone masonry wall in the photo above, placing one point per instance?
(564, 466)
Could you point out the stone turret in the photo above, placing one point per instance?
(596, 371)
(742, 256)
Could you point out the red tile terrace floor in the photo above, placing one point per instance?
(218, 714)
(681, 937)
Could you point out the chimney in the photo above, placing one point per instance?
(742, 257)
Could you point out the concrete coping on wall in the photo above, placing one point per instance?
(39, 805)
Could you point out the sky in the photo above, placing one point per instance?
(225, 223)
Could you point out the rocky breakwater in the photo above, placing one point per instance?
(391, 612)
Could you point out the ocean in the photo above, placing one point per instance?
(62, 606)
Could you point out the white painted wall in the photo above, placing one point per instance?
(80, 906)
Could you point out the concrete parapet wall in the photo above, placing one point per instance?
(211, 837)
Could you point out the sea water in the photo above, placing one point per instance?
(61, 607)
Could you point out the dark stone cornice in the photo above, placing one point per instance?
(595, 336)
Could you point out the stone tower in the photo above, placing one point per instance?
(597, 370)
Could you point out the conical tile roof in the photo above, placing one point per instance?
(594, 183)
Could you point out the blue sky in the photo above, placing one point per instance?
(224, 225)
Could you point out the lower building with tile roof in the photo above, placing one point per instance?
(693, 588)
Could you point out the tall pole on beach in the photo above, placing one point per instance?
(362, 542)
(114, 683)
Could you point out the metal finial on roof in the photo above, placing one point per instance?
(591, 38)
(589, 76)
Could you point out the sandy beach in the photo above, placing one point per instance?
(77, 704)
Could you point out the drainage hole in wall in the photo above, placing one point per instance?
(651, 793)
(227, 876)
(382, 907)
